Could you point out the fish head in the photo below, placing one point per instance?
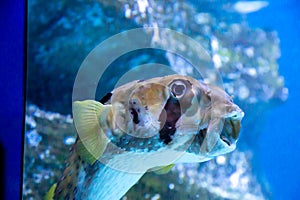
(183, 111)
(146, 108)
(220, 124)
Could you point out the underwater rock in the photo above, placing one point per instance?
(62, 36)
(228, 176)
(44, 151)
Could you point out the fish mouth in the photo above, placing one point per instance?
(230, 131)
(229, 134)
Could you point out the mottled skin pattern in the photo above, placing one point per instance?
(70, 176)
(164, 116)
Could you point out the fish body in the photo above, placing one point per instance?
(146, 126)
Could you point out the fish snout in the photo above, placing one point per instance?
(232, 127)
(236, 115)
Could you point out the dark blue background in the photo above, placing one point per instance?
(12, 23)
(278, 147)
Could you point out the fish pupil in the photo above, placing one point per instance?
(178, 89)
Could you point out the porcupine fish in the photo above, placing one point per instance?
(143, 126)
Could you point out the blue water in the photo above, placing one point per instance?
(277, 155)
(278, 147)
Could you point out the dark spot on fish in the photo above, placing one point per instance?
(67, 197)
(77, 166)
(59, 190)
(202, 132)
(106, 98)
(142, 80)
(62, 178)
(173, 112)
(146, 107)
(169, 125)
(135, 115)
(70, 185)
(189, 82)
(75, 191)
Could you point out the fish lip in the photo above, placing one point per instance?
(224, 139)
(230, 131)
(229, 134)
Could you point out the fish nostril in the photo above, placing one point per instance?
(237, 116)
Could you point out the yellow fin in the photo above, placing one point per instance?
(50, 193)
(164, 169)
(89, 118)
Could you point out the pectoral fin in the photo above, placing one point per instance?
(89, 119)
(163, 170)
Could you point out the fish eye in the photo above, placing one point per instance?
(178, 89)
